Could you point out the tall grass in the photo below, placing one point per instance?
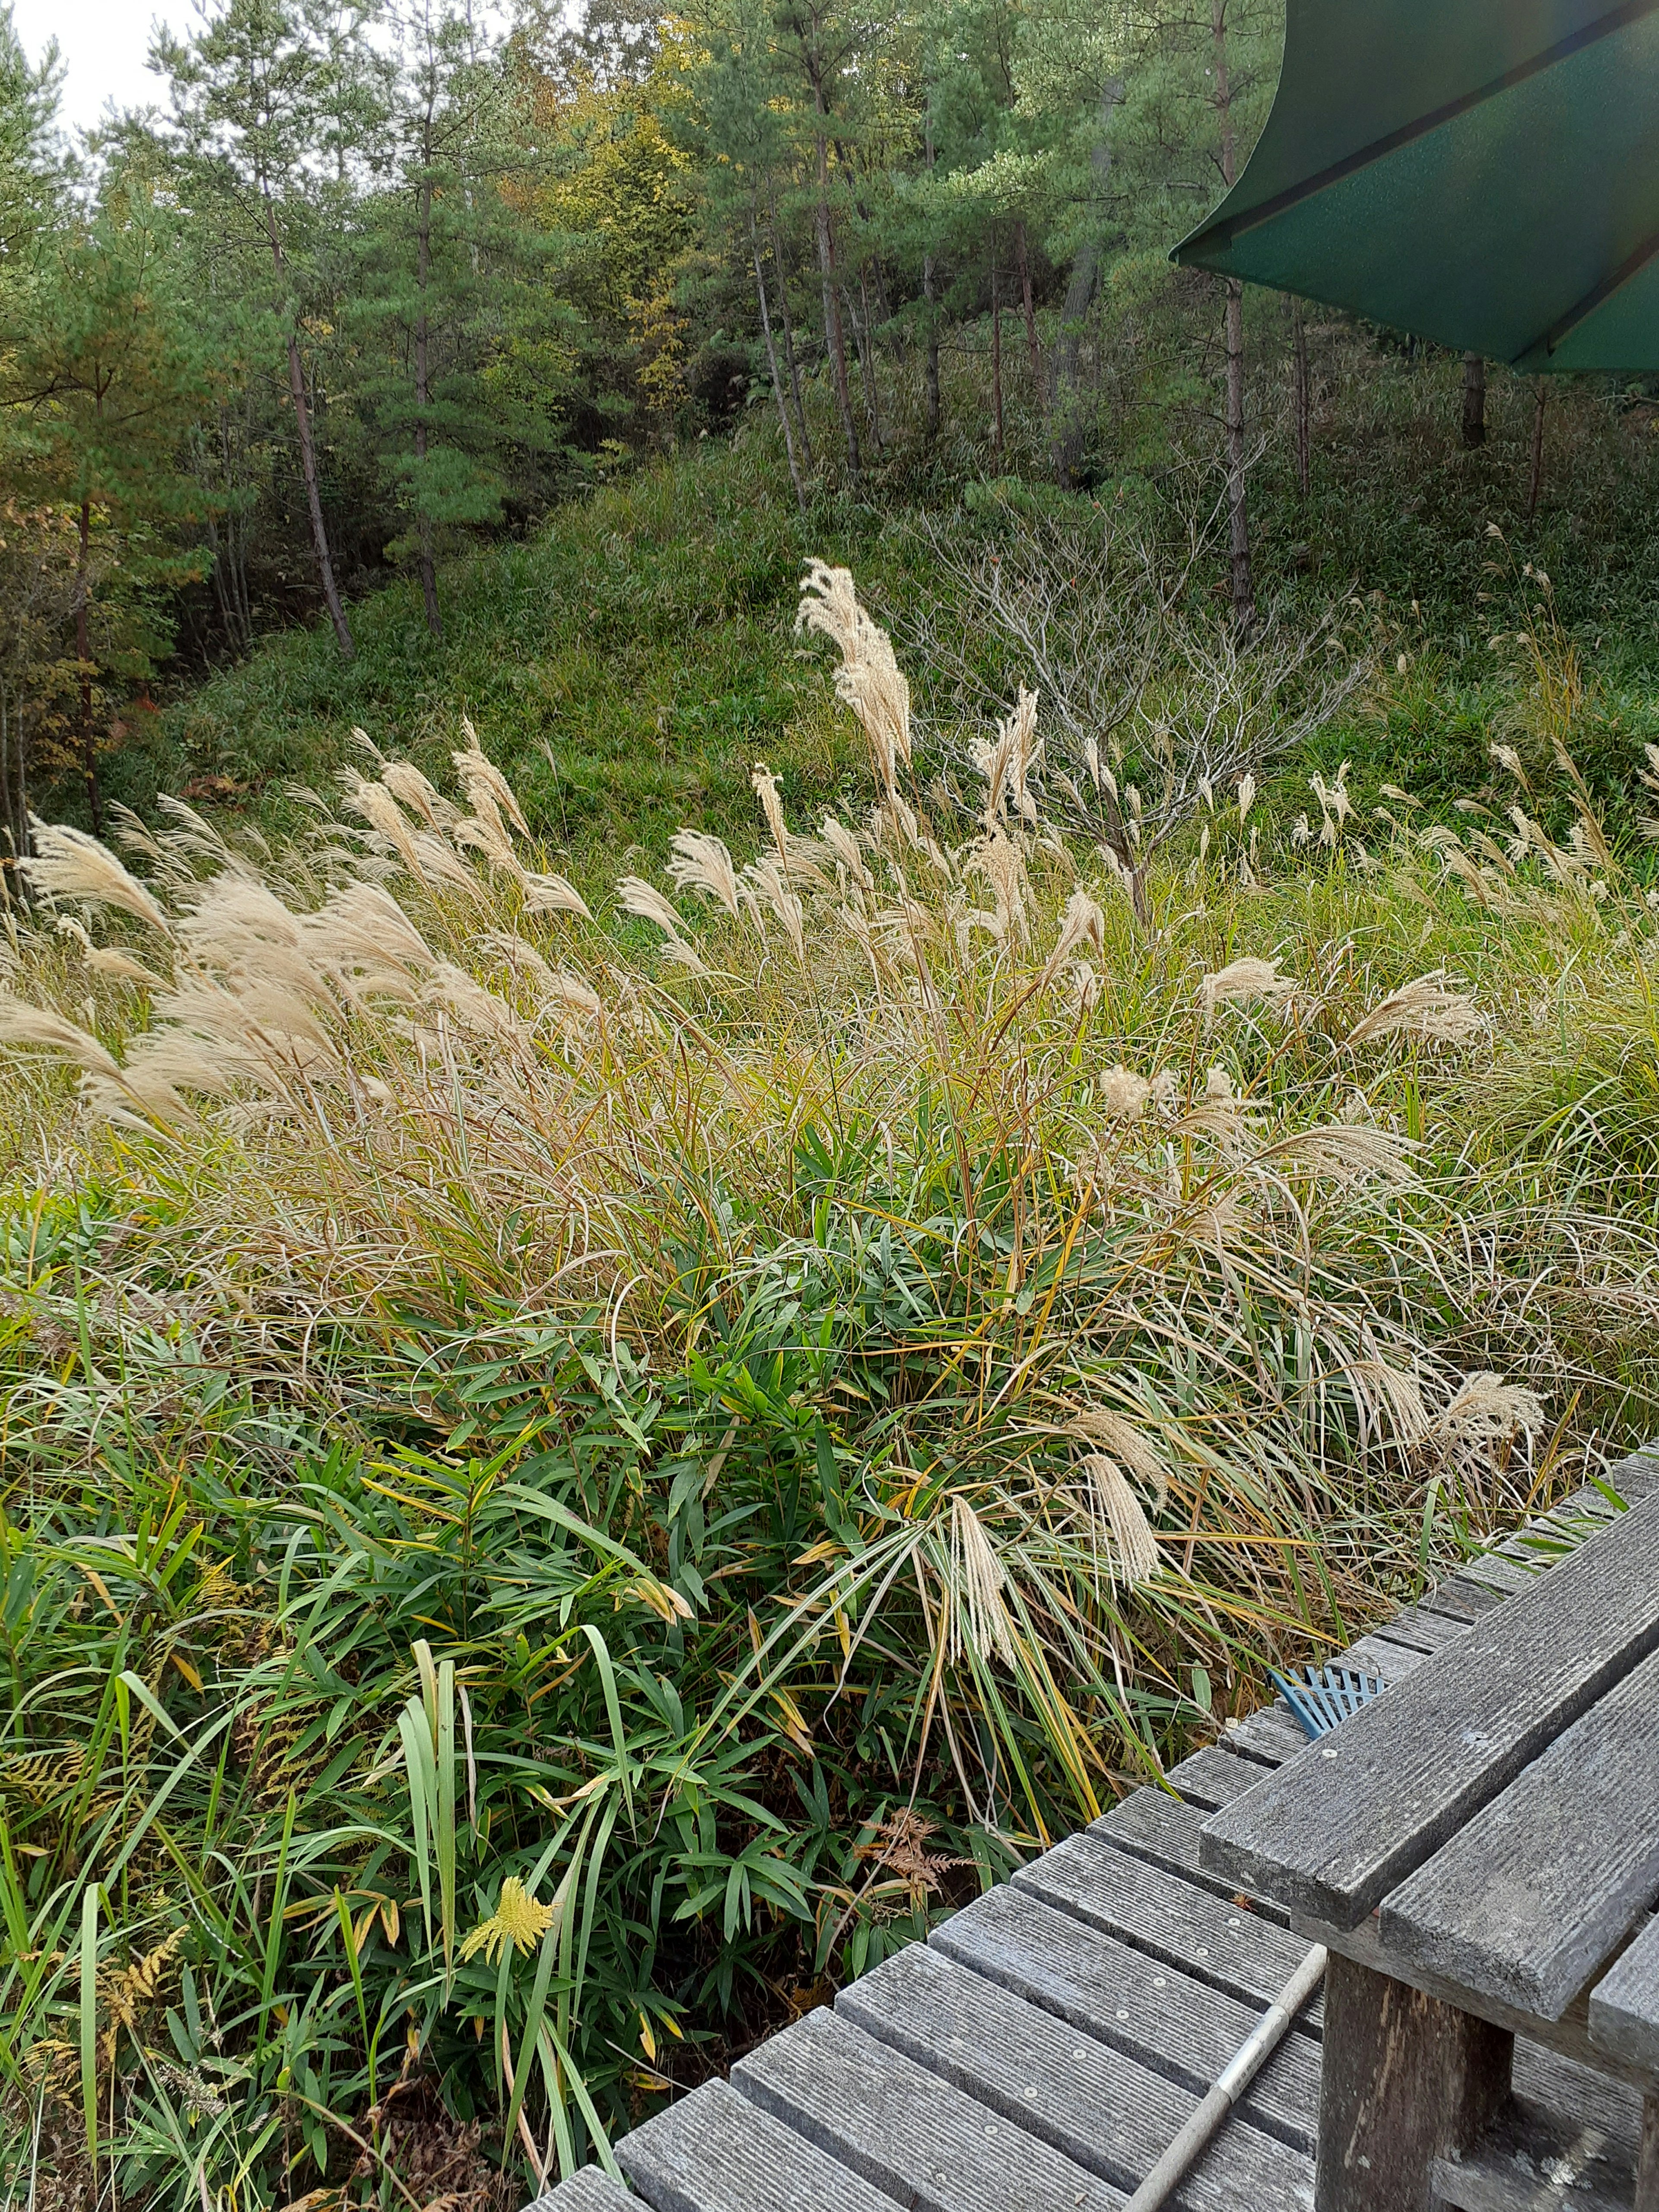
(570, 1478)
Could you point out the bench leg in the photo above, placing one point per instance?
(1406, 2080)
(1647, 2172)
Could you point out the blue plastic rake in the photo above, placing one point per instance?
(1323, 1697)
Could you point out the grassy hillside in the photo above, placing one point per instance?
(576, 1469)
(643, 638)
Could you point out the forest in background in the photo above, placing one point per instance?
(366, 286)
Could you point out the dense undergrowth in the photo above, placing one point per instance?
(571, 1477)
(641, 639)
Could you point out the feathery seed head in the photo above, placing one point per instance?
(1119, 1513)
(1245, 978)
(768, 886)
(68, 864)
(1426, 1008)
(407, 785)
(1082, 923)
(1348, 1151)
(979, 1618)
(764, 785)
(869, 678)
(844, 844)
(553, 895)
(1127, 1443)
(700, 863)
(22, 1023)
(639, 897)
(1396, 1395)
(487, 789)
(1490, 1411)
(1123, 1094)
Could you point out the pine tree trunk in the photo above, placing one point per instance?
(1239, 521)
(1535, 485)
(296, 385)
(1032, 347)
(1303, 398)
(867, 360)
(83, 654)
(782, 267)
(14, 801)
(996, 359)
(772, 363)
(230, 574)
(1065, 415)
(1474, 400)
(834, 337)
(423, 389)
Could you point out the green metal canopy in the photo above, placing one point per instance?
(1483, 173)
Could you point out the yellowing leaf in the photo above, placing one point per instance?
(517, 1919)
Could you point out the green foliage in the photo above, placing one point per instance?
(557, 1499)
(443, 297)
(29, 160)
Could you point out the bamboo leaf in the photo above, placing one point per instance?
(89, 2021)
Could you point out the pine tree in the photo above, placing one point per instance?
(273, 102)
(742, 126)
(31, 160)
(37, 556)
(101, 375)
(446, 268)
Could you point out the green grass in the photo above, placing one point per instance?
(642, 637)
(627, 666)
(644, 1448)
(519, 1434)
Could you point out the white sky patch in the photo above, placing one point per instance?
(104, 43)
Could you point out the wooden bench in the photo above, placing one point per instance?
(1476, 1849)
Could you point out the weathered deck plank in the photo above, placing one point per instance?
(1467, 1601)
(1538, 2161)
(1212, 1776)
(1012, 2019)
(1165, 1832)
(1509, 1577)
(1561, 2085)
(1387, 1662)
(1424, 1632)
(1213, 1939)
(1624, 2006)
(1637, 1475)
(906, 2129)
(1271, 1734)
(715, 2151)
(1527, 1899)
(1090, 2102)
(592, 2189)
(1161, 2017)
(1447, 1739)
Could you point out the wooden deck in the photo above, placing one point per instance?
(1040, 2052)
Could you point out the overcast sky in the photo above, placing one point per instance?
(104, 43)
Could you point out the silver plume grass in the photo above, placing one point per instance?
(978, 1615)
(69, 864)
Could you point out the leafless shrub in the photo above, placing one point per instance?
(1150, 704)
